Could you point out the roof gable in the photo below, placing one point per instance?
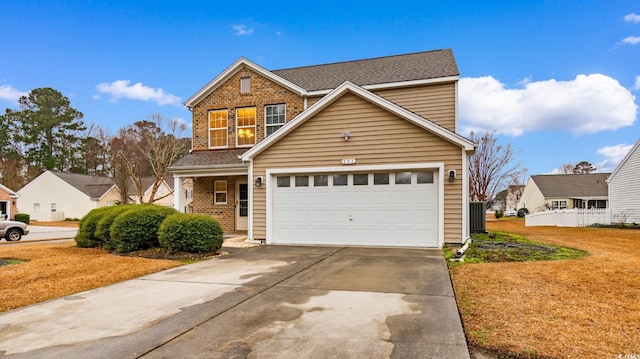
(624, 161)
(382, 70)
(572, 185)
(232, 70)
(93, 186)
(11, 193)
(348, 87)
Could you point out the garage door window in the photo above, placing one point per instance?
(302, 181)
(425, 177)
(283, 181)
(403, 178)
(320, 181)
(340, 180)
(380, 178)
(360, 179)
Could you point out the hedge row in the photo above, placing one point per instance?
(128, 228)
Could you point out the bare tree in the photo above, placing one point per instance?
(566, 168)
(148, 148)
(491, 168)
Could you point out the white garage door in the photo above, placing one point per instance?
(377, 208)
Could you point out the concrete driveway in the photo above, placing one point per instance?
(263, 302)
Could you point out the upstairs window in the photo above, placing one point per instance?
(218, 129)
(246, 127)
(245, 85)
(274, 118)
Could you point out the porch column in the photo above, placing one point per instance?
(177, 194)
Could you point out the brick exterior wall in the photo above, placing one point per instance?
(203, 201)
(227, 96)
(10, 203)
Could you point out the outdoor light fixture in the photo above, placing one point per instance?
(258, 181)
(346, 135)
(452, 175)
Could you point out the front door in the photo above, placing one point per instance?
(242, 206)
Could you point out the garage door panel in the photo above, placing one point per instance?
(386, 215)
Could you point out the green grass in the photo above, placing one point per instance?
(508, 247)
(11, 261)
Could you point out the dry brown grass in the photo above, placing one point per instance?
(57, 270)
(583, 308)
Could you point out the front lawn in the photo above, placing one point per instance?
(578, 308)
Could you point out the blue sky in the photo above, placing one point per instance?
(558, 80)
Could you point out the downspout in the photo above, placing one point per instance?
(459, 256)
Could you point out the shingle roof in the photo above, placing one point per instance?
(572, 185)
(381, 70)
(211, 158)
(93, 186)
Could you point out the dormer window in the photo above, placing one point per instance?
(245, 127)
(245, 85)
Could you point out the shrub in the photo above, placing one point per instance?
(23, 217)
(193, 233)
(103, 228)
(499, 213)
(87, 228)
(137, 228)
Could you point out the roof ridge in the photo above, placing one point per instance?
(360, 60)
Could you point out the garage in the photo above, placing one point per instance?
(373, 208)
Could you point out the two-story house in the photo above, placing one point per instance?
(352, 153)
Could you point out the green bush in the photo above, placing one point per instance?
(103, 228)
(87, 228)
(22, 217)
(137, 228)
(498, 213)
(193, 233)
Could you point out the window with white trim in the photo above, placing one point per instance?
(218, 128)
(220, 192)
(188, 194)
(54, 206)
(245, 126)
(558, 204)
(274, 118)
(36, 207)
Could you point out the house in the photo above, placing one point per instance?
(514, 192)
(352, 153)
(565, 191)
(8, 203)
(163, 196)
(624, 188)
(54, 196)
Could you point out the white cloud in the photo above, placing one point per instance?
(8, 93)
(631, 40)
(633, 17)
(121, 89)
(587, 104)
(240, 30)
(637, 85)
(613, 156)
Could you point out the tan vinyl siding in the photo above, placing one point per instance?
(377, 137)
(434, 102)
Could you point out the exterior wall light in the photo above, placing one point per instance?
(452, 175)
(346, 135)
(259, 181)
(348, 161)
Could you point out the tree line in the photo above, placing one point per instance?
(47, 133)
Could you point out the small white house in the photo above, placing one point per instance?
(54, 196)
(624, 188)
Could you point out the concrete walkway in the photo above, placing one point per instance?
(263, 302)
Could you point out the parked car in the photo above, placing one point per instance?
(510, 213)
(13, 230)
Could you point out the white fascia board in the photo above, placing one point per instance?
(107, 191)
(391, 85)
(370, 96)
(626, 158)
(231, 70)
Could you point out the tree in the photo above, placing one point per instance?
(49, 129)
(583, 167)
(148, 148)
(11, 160)
(490, 168)
(566, 168)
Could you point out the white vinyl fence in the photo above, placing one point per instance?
(569, 217)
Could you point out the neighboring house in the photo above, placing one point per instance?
(352, 153)
(514, 192)
(164, 194)
(565, 191)
(624, 188)
(8, 203)
(54, 196)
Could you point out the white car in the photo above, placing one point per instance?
(12, 230)
(510, 213)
